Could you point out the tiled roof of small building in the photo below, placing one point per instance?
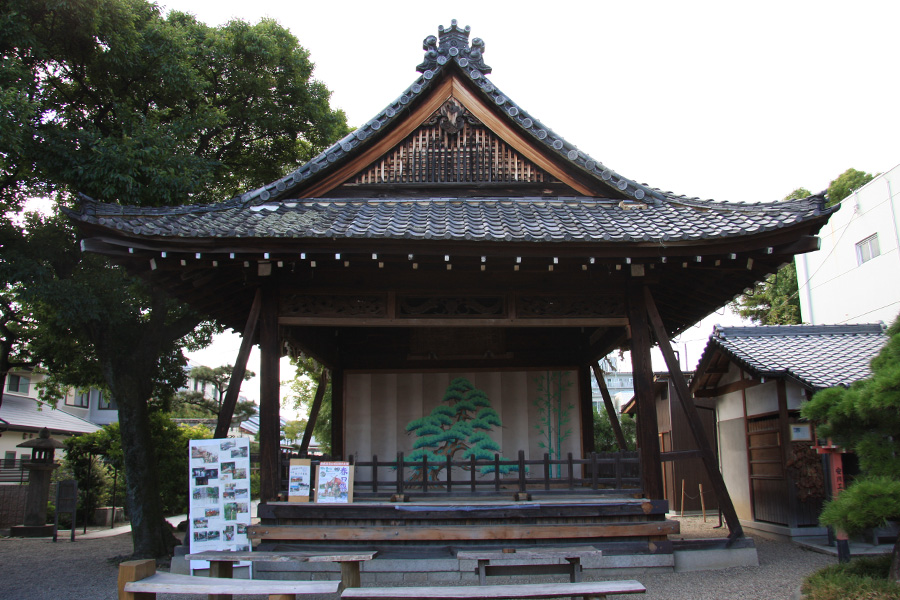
(816, 356)
(480, 219)
(25, 413)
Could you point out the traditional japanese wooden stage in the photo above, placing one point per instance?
(618, 525)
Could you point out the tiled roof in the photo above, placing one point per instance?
(480, 219)
(816, 356)
(449, 50)
(21, 412)
(648, 214)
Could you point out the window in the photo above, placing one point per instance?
(104, 403)
(867, 249)
(17, 384)
(82, 399)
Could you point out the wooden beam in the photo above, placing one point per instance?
(269, 401)
(314, 412)
(351, 321)
(642, 369)
(734, 386)
(374, 533)
(240, 369)
(693, 418)
(610, 407)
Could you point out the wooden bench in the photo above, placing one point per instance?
(138, 580)
(221, 562)
(591, 590)
(528, 561)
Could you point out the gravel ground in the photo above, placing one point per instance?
(86, 570)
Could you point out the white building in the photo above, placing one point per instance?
(855, 276)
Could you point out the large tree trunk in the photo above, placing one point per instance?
(150, 533)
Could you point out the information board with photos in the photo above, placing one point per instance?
(219, 495)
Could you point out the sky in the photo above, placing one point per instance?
(733, 101)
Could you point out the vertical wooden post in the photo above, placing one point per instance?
(337, 413)
(586, 401)
(642, 368)
(269, 401)
(240, 368)
(611, 411)
(221, 568)
(135, 570)
(693, 419)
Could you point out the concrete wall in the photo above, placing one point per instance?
(834, 288)
(378, 407)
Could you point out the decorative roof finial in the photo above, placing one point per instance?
(453, 44)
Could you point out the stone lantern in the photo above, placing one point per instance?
(40, 468)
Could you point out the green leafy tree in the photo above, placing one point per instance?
(307, 374)
(170, 451)
(553, 416)
(847, 182)
(114, 100)
(865, 419)
(197, 403)
(605, 438)
(459, 427)
(775, 300)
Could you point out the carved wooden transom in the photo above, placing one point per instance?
(451, 146)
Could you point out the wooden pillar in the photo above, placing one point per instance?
(642, 368)
(337, 413)
(611, 411)
(269, 401)
(240, 369)
(693, 419)
(586, 401)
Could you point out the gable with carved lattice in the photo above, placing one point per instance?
(451, 147)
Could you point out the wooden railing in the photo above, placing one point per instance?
(598, 473)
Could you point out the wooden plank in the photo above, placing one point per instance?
(134, 570)
(168, 583)
(473, 592)
(226, 412)
(454, 510)
(462, 532)
(529, 554)
(270, 556)
(693, 418)
(611, 411)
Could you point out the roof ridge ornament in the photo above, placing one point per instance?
(452, 43)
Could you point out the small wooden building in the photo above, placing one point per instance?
(757, 378)
(456, 236)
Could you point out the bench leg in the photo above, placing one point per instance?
(282, 596)
(350, 577)
(135, 570)
(221, 568)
